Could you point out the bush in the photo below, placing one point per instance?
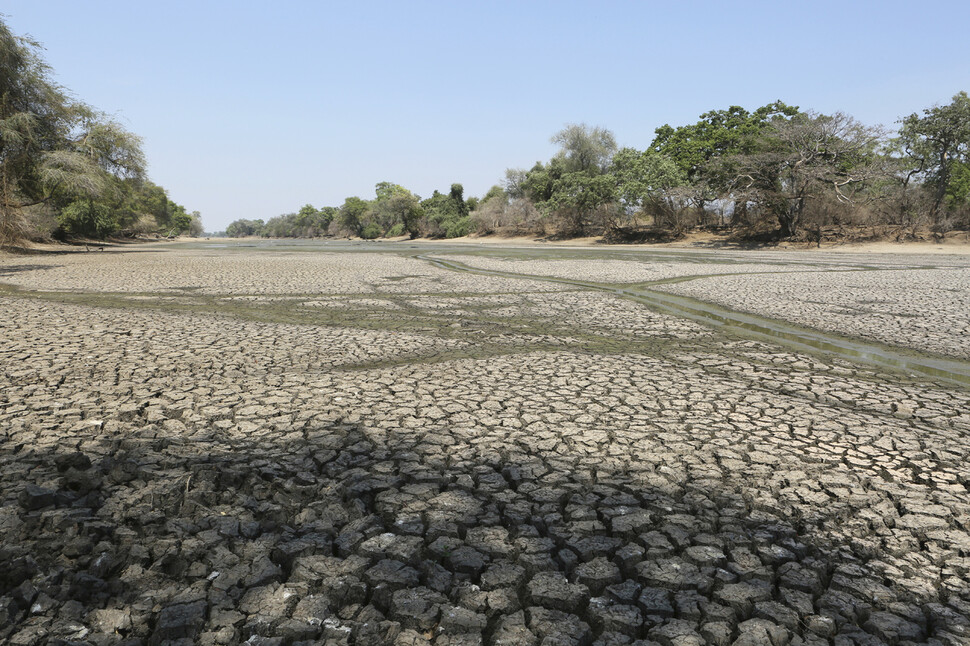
(395, 231)
(458, 228)
(144, 224)
(87, 218)
(370, 232)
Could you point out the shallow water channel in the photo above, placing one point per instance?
(760, 328)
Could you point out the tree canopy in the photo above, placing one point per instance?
(774, 170)
(62, 157)
(939, 144)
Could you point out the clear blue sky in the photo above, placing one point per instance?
(252, 109)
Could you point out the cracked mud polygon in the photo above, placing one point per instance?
(352, 445)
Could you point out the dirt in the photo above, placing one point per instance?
(302, 446)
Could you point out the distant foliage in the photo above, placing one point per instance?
(774, 170)
(65, 168)
(68, 170)
(245, 228)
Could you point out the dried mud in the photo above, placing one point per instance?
(220, 446)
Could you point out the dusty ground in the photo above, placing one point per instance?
(280, 445)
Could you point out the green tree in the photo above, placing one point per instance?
(306, 216)
(445, 215)
(705, 151)
(244, 228)
(144, 206)
(643, 176)
(53, 149)
(572, 189)
(958, 188)
(309, 222)
(718, 133)
(939, 142)
(801, 159)
(352, 213)
(387, 190)
(580, 198)
(456, 195)
(649, 182)
(494, 192)
(394, 209)
(181, 220)
(87, 217)
(399, 208)
(326, 216)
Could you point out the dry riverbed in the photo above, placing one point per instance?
(350, 445)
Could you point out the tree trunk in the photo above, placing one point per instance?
(740, 214)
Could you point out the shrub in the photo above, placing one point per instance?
(370, 232)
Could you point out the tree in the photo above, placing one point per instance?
(310, 222)
(244, 228)
(394, 211)
(645, 182)
(457, 197)
(87, 217)
(577, 198)
(445, 215)
(351, 214)
(537, 184)
(144, 206)
(939, 142)
(572, 188)
(584, 148)
(796, 160)
(643, 176)
(387, 190)
(958, 188)
(718, 133)
(306, 216)
(53, 149)
(181, 220)
(495, 191)
(702, 149)
(195, 226)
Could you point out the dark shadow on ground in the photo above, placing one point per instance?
(73, 247)
(9, 270)
(640, 236)
(331, 532)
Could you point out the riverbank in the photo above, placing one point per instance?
(956, 243)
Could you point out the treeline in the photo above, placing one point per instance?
(394, 211)
(776, 171)
(67, 169)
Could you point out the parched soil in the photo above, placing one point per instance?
(226, 445)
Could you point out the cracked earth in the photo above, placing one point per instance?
(207, 445)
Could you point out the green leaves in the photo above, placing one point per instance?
(938, 141)
(60, 153)
(697, 148)
(639, 176)
(72, 173)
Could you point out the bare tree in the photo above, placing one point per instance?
(584, 148)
